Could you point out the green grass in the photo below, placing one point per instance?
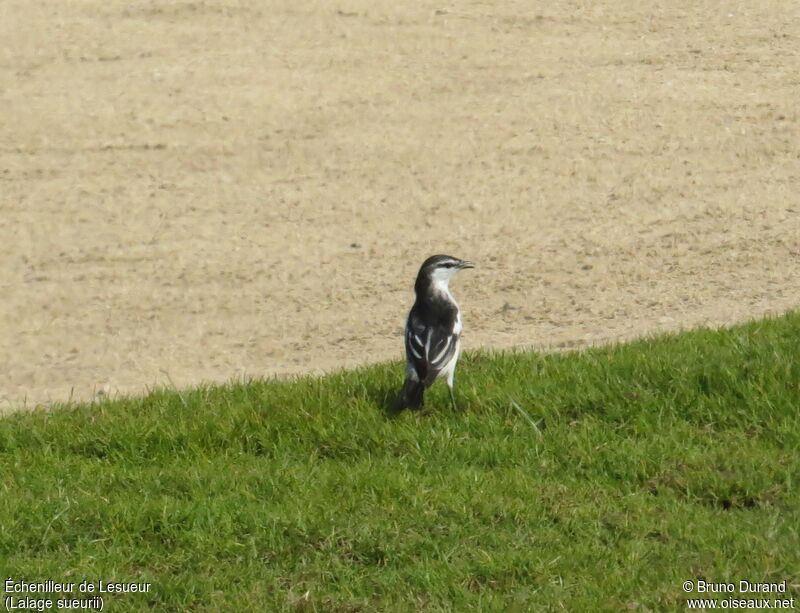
(595, 480)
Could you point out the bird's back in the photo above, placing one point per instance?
(432, 336)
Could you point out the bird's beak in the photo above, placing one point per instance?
(466, 264)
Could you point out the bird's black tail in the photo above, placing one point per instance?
(412, 394)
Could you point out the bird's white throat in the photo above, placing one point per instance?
(440, 281)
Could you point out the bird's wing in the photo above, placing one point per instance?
(429, 348)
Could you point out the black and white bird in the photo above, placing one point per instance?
(433, 329)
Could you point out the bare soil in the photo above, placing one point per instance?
(196, 191)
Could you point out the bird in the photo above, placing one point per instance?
(433, 330)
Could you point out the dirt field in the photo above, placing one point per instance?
(193, 191)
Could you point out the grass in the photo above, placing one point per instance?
(595, 480)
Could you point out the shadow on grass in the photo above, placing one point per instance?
(387, 397)
(385, 393)
(389, 401)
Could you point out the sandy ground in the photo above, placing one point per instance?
(193, 191)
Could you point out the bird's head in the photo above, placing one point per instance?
(437, 271)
